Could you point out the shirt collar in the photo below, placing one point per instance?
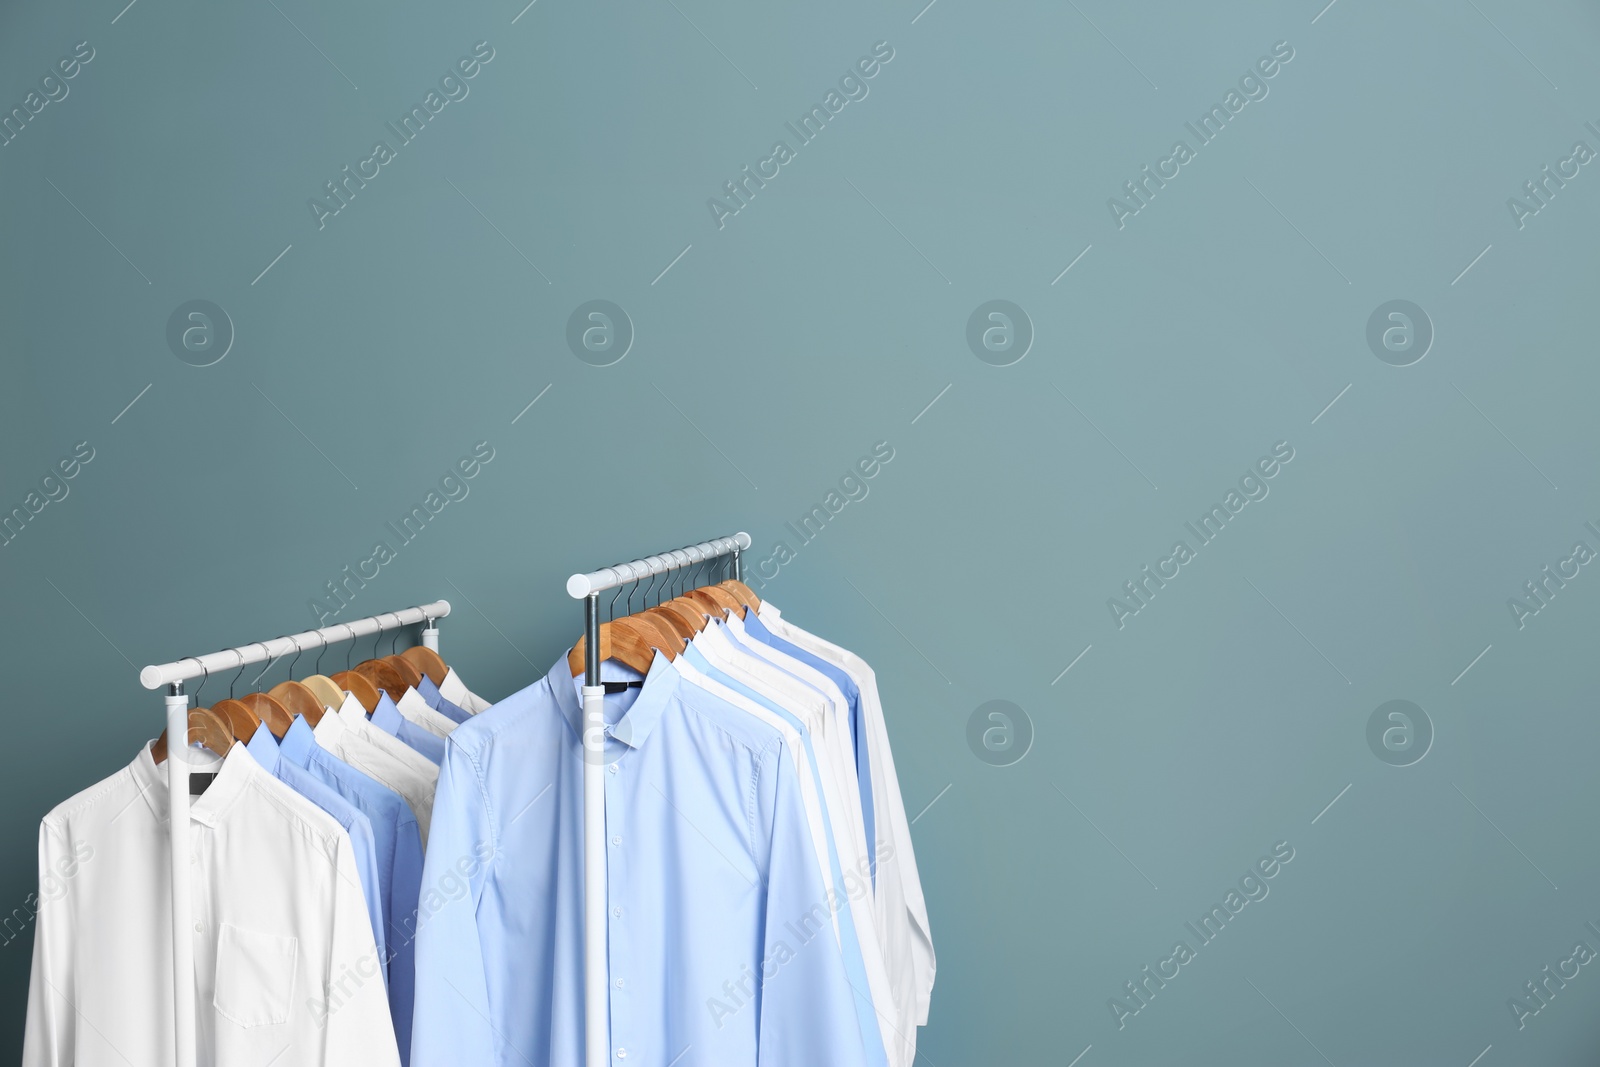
(430, 692)
(333, 723)
(639, 720)
(753, 626)
(453, 688)
(298, 742)
(263, 748)
(233, 772)
(386, 716)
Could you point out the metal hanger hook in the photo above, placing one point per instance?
(611, 608)
(234, 680)
(205, 673)
(296, 660)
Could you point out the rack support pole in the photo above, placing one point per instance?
(596, 1017)
(182, 877)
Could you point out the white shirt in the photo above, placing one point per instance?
(350, 735)
(456, 692)
(901, 909)
(413, 707)
(286, 971)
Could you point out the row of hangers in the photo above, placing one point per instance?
(633, 638)
(237, 719)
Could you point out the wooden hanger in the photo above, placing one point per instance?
(359, 687)
(742, 593)
(428, 662)
(271, 712)
(713, 601)
(631, 641)
(299, 699)
(407, 670)
(685, 622)
(327, 691)
(383, 676)
(666, 636)
(240, 719)
(205, 728)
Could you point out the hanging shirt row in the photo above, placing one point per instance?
(388, 869)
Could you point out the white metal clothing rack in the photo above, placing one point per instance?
(585, 587)
(173, 675)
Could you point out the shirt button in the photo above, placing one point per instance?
(616, 912)
(199, 928)
(616, 840)
(612, 768)
(619, 983)
(622, 1053)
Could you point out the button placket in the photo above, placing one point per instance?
(201, 900)
(617, 955)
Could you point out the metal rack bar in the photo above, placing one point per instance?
(157, 675)
(584, 587)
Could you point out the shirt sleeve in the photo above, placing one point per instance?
(405, 885)
(451, 1023)
(808, 1011)
(359, 1028)
(365, 849)
(50, 1032)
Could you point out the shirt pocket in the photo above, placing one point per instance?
(255, 976)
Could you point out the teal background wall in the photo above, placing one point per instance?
(1437, 867)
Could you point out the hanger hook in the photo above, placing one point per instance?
(296, 660)
(322, 648)
(611, 608)
(350, 631)
(205, 673)
(394, 635)
(232, 681)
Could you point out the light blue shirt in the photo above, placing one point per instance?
(850, 943)
(721, 950)
(386, 717)
(435, 700)
(852, 694)
(263, 748)
(399, 855)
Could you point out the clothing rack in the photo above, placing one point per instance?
(586, 587)
(172, 676)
